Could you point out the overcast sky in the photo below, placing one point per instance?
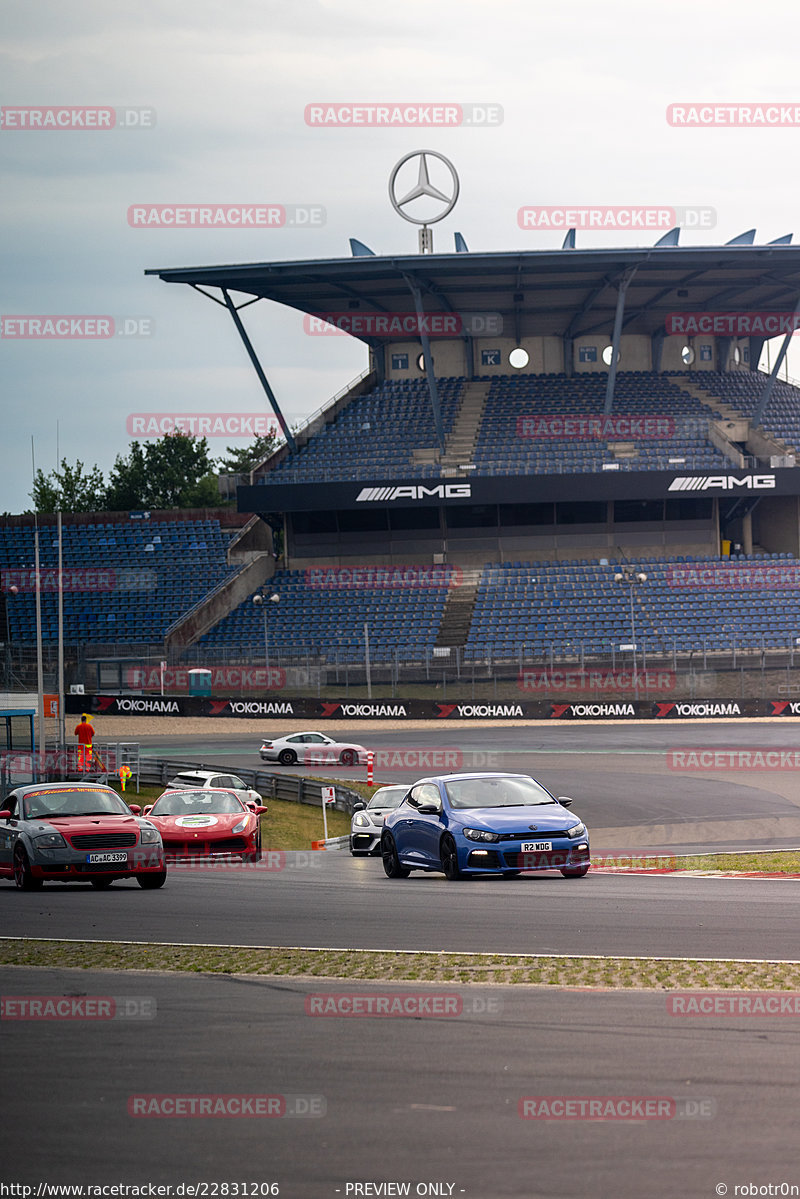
(583, 87)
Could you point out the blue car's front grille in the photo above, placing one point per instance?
(528, 835)
(537, 861)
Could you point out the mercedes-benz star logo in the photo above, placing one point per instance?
(423, 187)
(533, 827)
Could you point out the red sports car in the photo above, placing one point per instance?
(76, 832)
(207, 823)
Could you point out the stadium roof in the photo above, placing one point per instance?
(565, 292)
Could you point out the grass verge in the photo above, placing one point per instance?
(772, 862)
(659, 974)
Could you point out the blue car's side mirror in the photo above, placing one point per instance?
(565, 801)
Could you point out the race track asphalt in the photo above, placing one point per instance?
(634, 785)
(332, 900)
(417, 1100)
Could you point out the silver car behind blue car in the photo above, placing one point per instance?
(367, 823)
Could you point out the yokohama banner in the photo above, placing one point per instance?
(419, 709)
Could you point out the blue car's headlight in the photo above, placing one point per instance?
(577, 830)
(49, 841)
(149, 835)
(478, 834)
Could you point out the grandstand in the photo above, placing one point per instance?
(125, 581)
(529, 461)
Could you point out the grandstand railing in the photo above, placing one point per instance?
(309, 420)
(732, 664)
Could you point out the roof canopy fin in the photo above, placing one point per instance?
(359, 250)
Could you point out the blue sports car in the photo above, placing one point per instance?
(466, 824)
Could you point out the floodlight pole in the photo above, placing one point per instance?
(39, 666)
(62, 732)
(626, 574)
(261, 600)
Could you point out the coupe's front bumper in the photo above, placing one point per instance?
(365, 840)
(75, 864)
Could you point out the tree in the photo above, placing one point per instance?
(244, 459)
(173, 472)
(68, 490)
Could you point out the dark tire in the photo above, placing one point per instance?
(287, 757)
(347, 757)
(255, 856)
(576, 872)
(391, 862)
(23, 875)
(151, 882)
(449, 856)
(101, 884)
(511, 873)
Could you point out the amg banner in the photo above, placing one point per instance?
(611, 484)
(420, 709)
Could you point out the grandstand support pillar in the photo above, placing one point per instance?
(569, 353)
(622, 290)
(657, 350)
(758, 415)
(756, 345)
(262, 378)
(378, 361)
(469, 358)
(723, 352)
(428, 357)
(747, 532)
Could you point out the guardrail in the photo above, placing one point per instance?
(289, 787)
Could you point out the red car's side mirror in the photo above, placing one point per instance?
(148, 810)
(134, 807)
(259, 809)
(5, 814)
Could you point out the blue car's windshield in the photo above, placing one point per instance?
(503, 791)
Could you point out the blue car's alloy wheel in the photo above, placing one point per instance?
(449, 855)
(391, 862)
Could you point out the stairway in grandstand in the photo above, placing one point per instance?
(458, 609)
(460, 445)
(462, 438)
(735, 395)
(724, 411)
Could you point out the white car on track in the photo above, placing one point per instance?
(196, 780)
(312, 749)
(367, 823)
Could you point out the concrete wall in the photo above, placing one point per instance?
(222, 601)
(776, 524)
(546, 355)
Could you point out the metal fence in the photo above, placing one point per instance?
(62, 762)
(734, 663)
